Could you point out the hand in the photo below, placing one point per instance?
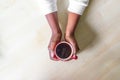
(70, 30)
(55, 38)
(56, 33)
(71, 39)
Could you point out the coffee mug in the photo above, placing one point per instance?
(64, 51)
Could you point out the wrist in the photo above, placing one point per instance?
(69, 33)
(56, 31)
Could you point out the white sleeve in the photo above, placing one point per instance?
(47, 6)
(77, 6)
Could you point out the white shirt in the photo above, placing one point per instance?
(75, 6)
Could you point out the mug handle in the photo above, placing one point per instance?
(74, 56)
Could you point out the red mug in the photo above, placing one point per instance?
(64, 51)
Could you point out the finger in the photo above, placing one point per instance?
(52, 56)
(52, 46)
(75, 46)
(51, 53)
(72, 42)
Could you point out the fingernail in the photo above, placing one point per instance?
(51, 53)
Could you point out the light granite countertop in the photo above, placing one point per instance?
(25, 34)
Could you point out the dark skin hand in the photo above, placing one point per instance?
(70, 30)
(57, 34)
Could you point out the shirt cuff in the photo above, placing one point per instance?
(47, 6)
(49, 9)
(77, 7)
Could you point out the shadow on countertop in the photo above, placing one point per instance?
(85, 33)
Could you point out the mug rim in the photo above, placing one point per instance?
(70, 56)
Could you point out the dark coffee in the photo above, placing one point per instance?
(63, 50)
